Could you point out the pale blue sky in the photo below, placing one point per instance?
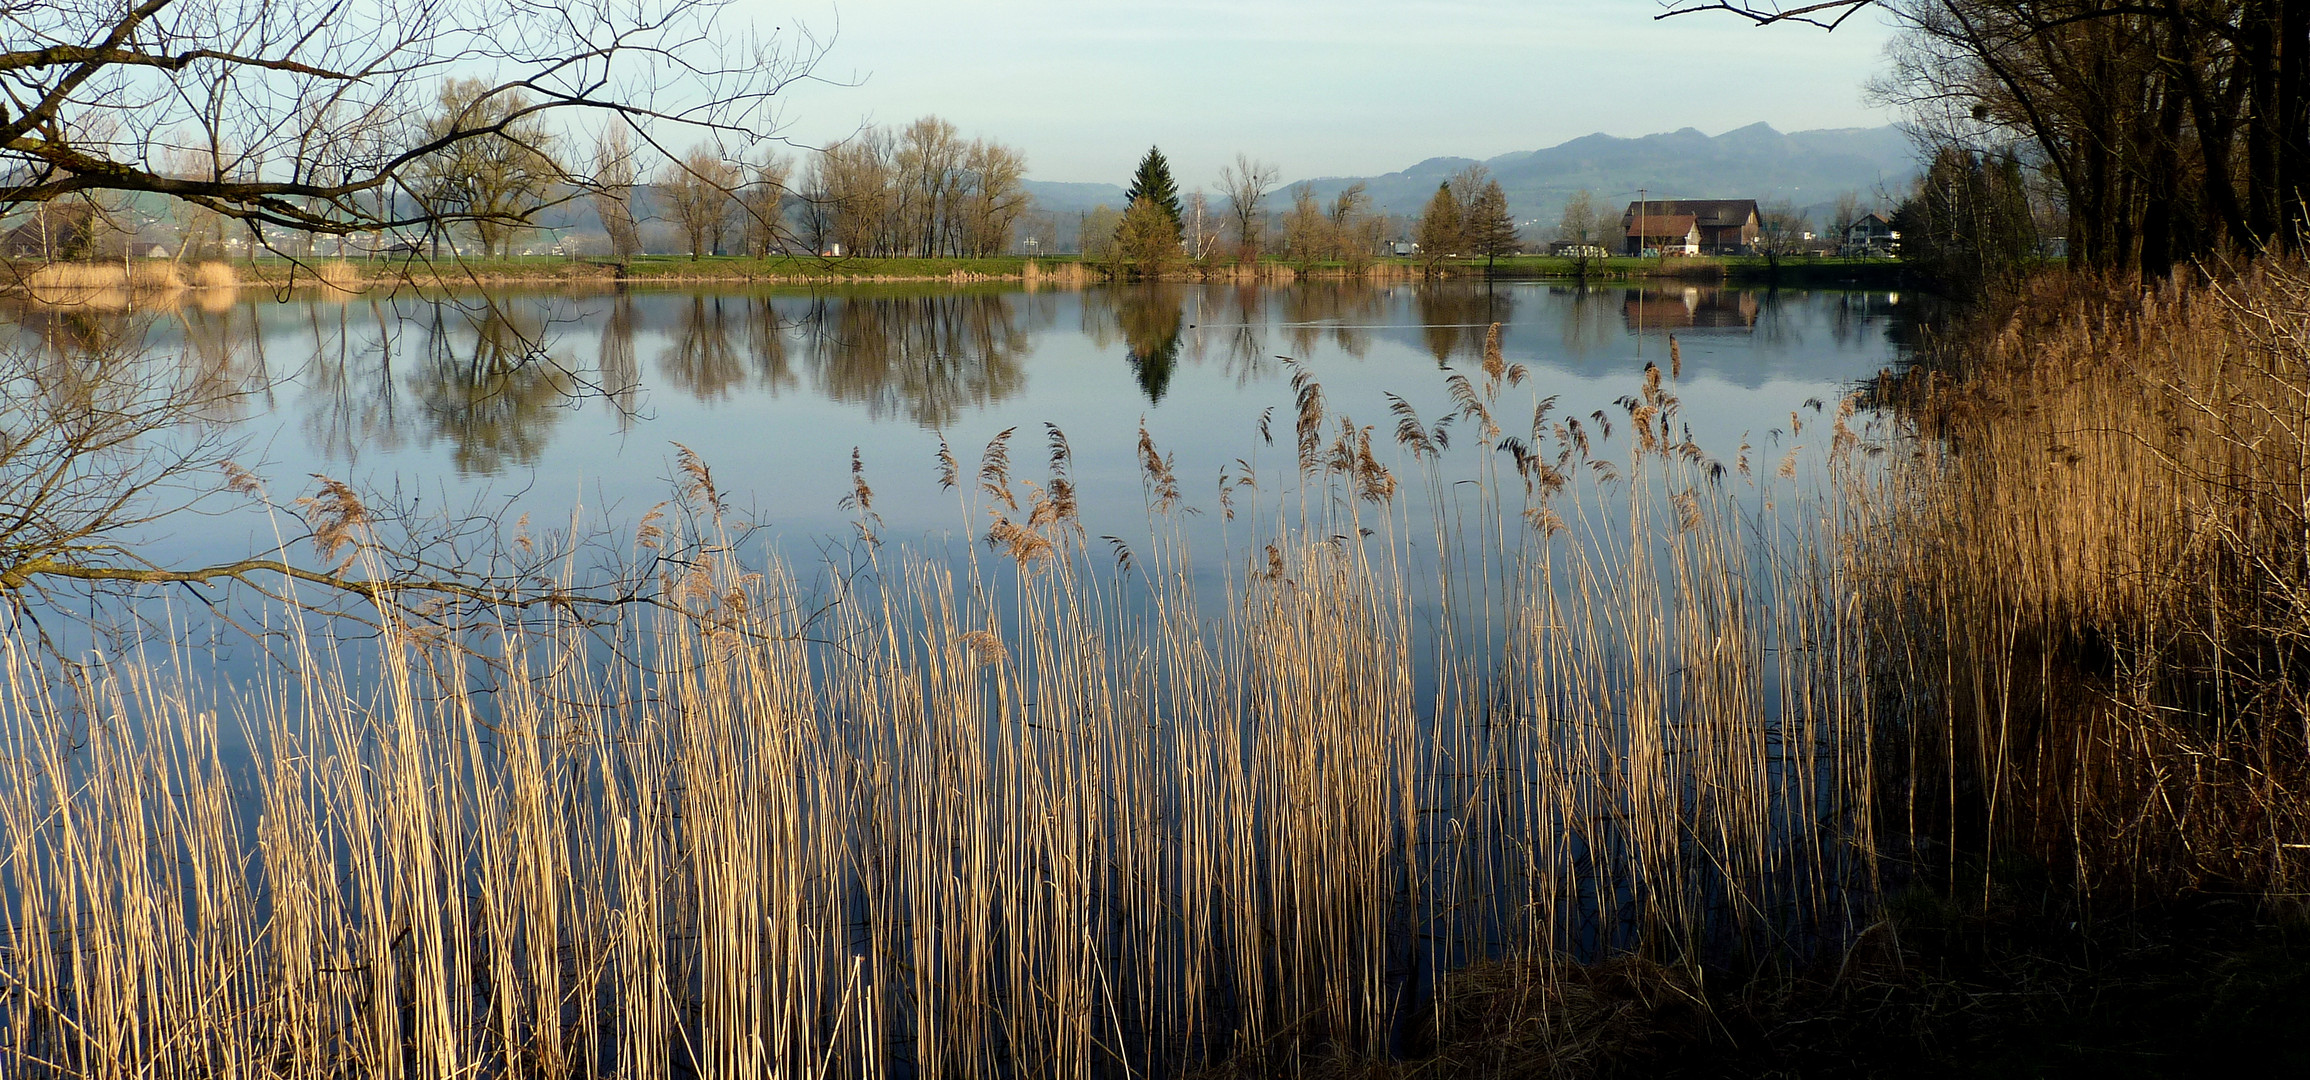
(1319, 88)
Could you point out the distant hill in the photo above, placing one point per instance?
(1060, 197)
(1808, 168)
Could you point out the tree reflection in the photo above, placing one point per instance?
(925, 357)
(1455, 316)
(704, 359)
(1345, 310)
(1233, 322)
(766, 346)
(1150, 319)
(350, 381)
(1586, 321)
(488, 386)
(621, 368)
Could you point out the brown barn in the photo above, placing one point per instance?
(1727, 226)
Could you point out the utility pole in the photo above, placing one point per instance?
(1641, 210)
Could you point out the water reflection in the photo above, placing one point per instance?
(926, 357)
(1454, 318)
(1343, 312)
(1151, 320)
(487, 385)
(493, 382)
(61, 349)
(1689, 308)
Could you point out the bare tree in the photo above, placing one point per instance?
(762, 205)
(495, 181)
(1355, 229)
(1246, 184)
(1196, 225)
(990, 199)
(616, 172)
(920, 190)
(1580, 229)
(311, 114)
(1307, 233)
(1847, 212)
(1781, 232)
(702, 189)
(2172, 129)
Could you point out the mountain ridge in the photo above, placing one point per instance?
(1807, 168)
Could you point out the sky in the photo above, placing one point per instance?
(1316, 87)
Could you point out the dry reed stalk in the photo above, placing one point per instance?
(216, 275)
(339, 276)
(2097, 563)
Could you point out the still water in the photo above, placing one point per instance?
(569, 407)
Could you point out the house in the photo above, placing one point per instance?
(1872, 235)
(1726, 226)
(1667, 234)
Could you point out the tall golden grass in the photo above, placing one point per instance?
(1049, 811)
(216, 275)
(2091, 585)
(110, 285)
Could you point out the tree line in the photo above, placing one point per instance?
(2164, 132)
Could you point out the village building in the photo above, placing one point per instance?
(1872, 235)
(1720, 226)
(1664, 234)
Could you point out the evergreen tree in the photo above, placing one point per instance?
(1147, 242)
(1490, 231)
(1153, 183)
(1440, 233)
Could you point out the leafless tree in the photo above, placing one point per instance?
(1355, 229)
(615, 174)
(762, 205)
(1781, 232)
(1246, 184)
(2172, 130)
(702, 189)
(311, 115)
(494, 183)
(920, 190)
(1307, 233)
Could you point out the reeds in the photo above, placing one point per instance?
(2090, 588)
(109, 285)
(216, 275)
(1029, 814)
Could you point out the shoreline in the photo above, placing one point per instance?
(92, 282)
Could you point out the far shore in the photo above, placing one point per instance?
(62, 282)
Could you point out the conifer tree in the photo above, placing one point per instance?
(1490, 231)
(1153, 182)
(1440, 233)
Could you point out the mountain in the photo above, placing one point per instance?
(1807, 168)
(1060, 197)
